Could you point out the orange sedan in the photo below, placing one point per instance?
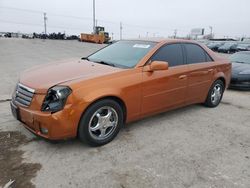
(94, 97)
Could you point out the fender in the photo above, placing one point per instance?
(219, 75)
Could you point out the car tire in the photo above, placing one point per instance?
(215, 94)
(101, 122)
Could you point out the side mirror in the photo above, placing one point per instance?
(157, 66)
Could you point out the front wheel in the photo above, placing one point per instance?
(215, 94)
(101, 122)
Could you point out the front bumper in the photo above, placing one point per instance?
(242, 85)
(60, 125)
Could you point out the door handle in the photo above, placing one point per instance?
(182, 77)
(210, 70)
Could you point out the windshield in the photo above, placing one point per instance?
(124, 54)
(240, 58)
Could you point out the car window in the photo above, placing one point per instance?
(196, 54)
(208, 58)
(171, 53)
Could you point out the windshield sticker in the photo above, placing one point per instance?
(141, 46)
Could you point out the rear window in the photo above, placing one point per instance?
(196, 54)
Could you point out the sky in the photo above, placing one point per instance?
(152, 18)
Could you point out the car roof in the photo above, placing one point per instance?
(162, 40)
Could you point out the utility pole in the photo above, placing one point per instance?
(121, 30)
(94, 17)
(45, 23)
(175, 33)
(211, 31)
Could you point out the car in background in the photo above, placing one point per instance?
(215, 45)
(94, 97)
(7, 35)
(228, 48)
(240, 70)
(243, 47)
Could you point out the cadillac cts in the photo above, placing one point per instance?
(94, 97)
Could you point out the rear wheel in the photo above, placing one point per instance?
(100, 123)
(215, 94)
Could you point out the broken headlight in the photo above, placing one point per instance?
(56, 98)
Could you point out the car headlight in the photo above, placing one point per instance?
(56, 98)
(245, 72)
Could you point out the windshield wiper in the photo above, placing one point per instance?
(100, 62)
(105, 63)
(85, 58)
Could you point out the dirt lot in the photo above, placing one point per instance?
(190, 147)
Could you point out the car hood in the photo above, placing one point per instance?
(41, 78)
(239, 67)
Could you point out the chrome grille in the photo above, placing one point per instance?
(23, 95)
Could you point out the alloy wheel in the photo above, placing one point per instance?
(103, 123)
(216, 94)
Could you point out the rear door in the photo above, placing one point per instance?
(200, 72)
(166, 88)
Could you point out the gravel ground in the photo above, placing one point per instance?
(190, 147)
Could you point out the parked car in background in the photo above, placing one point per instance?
(228, 48)
(243, 47)
(240, 70)
(7, 35)
(215, 45)
(92, 98)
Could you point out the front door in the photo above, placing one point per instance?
(165, 89)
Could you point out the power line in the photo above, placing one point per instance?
(41, 12)
(88, 18)
(20, 23)
(23, 10)
(68, 16)
(40, 25)
(123, 26)
(58, 15)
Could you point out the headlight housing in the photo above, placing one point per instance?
(56, 98)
